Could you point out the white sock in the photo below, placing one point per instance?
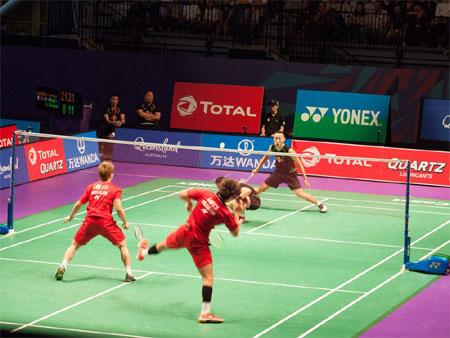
(206, 307)
(64, 263)
(129, 271)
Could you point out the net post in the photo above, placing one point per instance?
(407, 240)
(9, 226)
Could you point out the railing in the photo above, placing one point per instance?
(152, 26)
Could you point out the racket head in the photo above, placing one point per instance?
(217, 240)
(138, 233)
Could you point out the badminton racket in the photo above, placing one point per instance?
(216, 240)
(245, 180)
(138, 233)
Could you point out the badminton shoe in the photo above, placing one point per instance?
(323, 208)
(129, 278)
(60, 273)
(208, 317)
(142, 248)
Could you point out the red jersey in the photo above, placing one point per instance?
(208, 212)
(101, 196)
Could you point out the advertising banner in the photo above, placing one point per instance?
(81, 154)
(435, 120)
(45, 159)
(341, 116)
(6, 136)
(427, 167)
(20, 167)
(241, 160)
(164, 153)
(216, 107)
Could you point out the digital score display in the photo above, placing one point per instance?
(66, 103)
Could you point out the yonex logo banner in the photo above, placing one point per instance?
(163, 153)
(241, 160)
(436, 120)
(341, 116)
(45, 159)
(427, 167)
(20, 167)
(216, 107)
(81, 154)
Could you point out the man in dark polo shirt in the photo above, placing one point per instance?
(148, 116)
(113, 117)
(273, 121)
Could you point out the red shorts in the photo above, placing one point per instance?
(183, 237)
(93, 226)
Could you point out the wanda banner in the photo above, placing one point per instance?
(6, 136)
(427, 167)
(216, 107)
(45, 159)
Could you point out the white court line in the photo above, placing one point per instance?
(56, 328)
(290, 237)
(77, 303)
(120, 174)
(38, 237)
(66, 228)
(412, 203)
(283, 217)
(337, 313)
(360, 206)
(80, 213)
(281, 321)
(170, 274)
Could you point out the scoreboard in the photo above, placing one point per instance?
(64, 102)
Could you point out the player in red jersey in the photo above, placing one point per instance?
(209, 211)
(247, 196)
(102, 196)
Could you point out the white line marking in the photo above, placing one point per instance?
(76, 330)
(345, 283)
(290, 237)
(337, 313)
(69, 227)
(399, 211)
(413, 201)
(82, 212)
(282, 217)
(182, 275)
(77, 303)
(121, 174)
(38, 237)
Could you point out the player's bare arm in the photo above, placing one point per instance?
(121, 212)
(75, 209)
(261, 163)
(185, 197)
(302, 168)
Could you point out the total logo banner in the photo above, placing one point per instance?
(45, 159)
(216, 107)
(6, 136)
(341, 116)
(427, 167)
(241, 160)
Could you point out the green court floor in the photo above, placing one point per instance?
(292, 272)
